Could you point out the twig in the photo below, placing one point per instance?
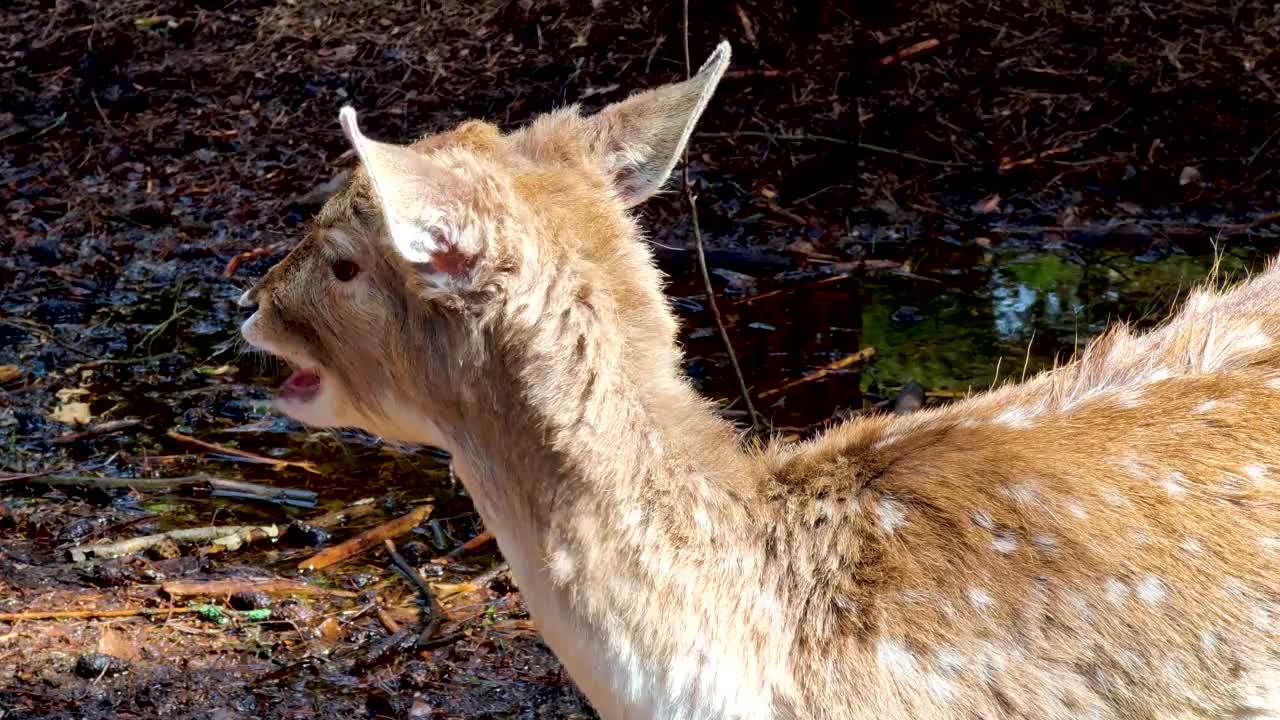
(75, 369)
(81, 614)
(355, 510)
(861, 356)
(222, 487)
(366, 539)
(805, 137)
(228, 537)
(240, 455)
(106, 428)
(910, 50)
(469, 546)
(411, 574)
(270, 586)
(702, 255)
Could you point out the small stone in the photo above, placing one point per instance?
(250, 600)
(166, 549)
(95, 665)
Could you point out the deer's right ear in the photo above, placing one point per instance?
(640, 139)
(412, 192)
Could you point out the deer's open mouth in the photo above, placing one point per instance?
(303, 385)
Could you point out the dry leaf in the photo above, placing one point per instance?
(114, 643)
(68, 394)
(72, 413)
(330, 630)
(987, 205)
(445, 590)
(9, 373)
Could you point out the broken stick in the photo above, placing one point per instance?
(240, 455)
(227, 537)
(366, 539)
(226, 588)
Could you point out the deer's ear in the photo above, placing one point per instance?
(412, 194)
(640, 139)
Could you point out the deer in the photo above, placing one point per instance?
(1099, 541)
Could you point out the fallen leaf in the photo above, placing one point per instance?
(987, 205)
(9, 373)
(69, 394)
(114, 643)
(736, 280)
(72, 413)
(330, 630)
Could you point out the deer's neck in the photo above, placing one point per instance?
(624, 508)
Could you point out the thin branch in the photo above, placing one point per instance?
(89, 614)
(805, 137)
(702, 256)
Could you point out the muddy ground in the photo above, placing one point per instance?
(918, 192)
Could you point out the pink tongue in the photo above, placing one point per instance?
(301, 385)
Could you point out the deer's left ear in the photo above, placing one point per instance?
(414, 196)
(639, 140)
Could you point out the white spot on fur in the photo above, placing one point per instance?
(984, 520)
(1115, 590)
(1192, 545)
(895, 657)
(1023, 493)
(1112, 497)
(1077, 510)
(980, 599)
(892, 514)
(1015, 417)
(941, 687)
(1045, 540)
(990, 660)
(703, 521)
(1176, 484)
(1151, 589)
(1080, 605)
(561, 565)
(1256, 473)
(1209, 640)
(1262, 618)
(950, 661)
(1004, 544)
(1270, 544)
(1204, 407)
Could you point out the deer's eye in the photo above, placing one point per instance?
(345, 270)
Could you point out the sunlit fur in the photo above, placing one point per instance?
(1100, 542)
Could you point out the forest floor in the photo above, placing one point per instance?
(159, 155)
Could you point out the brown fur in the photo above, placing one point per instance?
(1099, 542)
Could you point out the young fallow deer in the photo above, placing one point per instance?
(1102, 541)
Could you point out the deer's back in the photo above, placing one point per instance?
(1103, 541)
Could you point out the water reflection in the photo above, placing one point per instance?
(948, 326)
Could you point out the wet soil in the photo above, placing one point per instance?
(922, 192)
